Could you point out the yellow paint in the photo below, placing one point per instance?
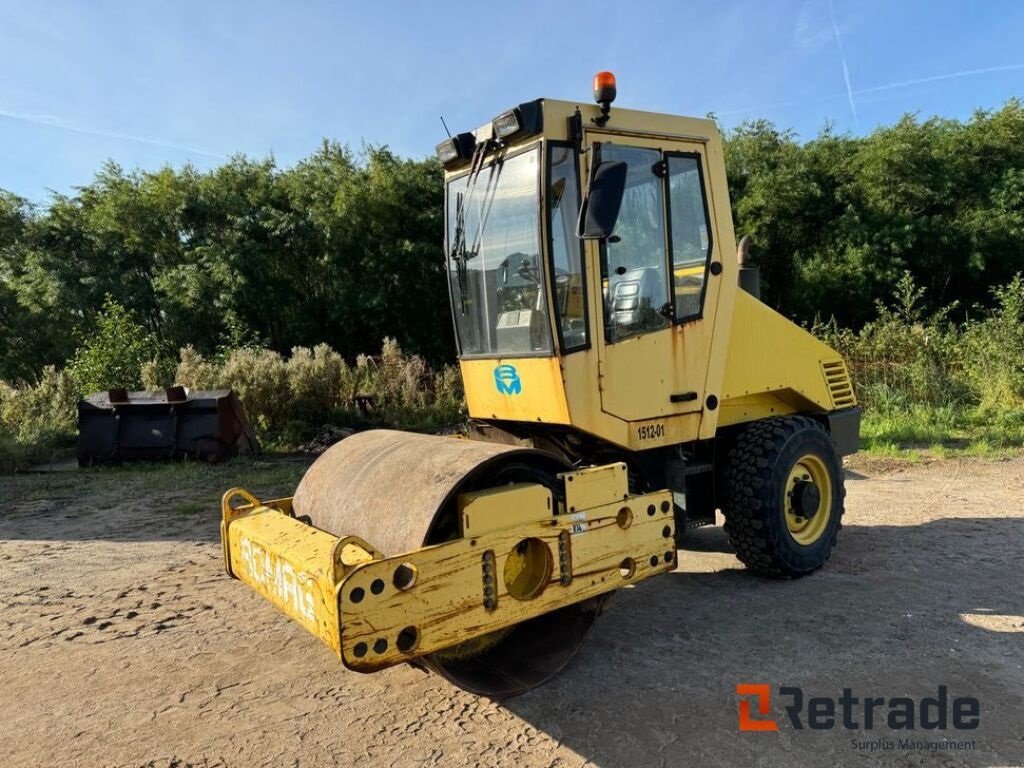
(774, 366)
(740, 361)
(346, 593)
(496, 508)
(677, 429)
(750, 360)
(840, 386)
(540, 396)
(807, 530)
(739, 410)
(595, 486)
(446, 605)
(640, 375)
(291, 564)
(995, 622)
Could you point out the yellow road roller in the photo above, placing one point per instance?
(624, 384)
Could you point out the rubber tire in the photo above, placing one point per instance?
(756, 468)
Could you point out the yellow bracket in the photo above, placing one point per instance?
(593, 486)
(396, 609)
(375, 612)
(293, 565)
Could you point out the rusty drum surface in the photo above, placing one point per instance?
(387, 487)
(397, 491)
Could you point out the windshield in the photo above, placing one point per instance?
(494, 263)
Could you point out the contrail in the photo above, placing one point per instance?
(55, 122)
(933, 78)
(877, 88)
(842, 57)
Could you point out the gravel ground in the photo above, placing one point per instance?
(123, 643)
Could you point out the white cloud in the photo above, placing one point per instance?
(812, 31)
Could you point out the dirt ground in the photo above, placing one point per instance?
(123, 643)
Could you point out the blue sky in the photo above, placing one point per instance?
(152, 83)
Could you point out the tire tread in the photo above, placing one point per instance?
(750, 462)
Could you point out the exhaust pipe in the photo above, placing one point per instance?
(750, 276)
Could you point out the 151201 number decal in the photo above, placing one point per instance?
(650, 431)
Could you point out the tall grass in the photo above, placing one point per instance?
(287, 399)
(37, 422)
(926, 382)
(923, 380)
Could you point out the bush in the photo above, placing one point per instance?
(37, 421)
(193, 371)
(903, 357)
(113, 355)
(260, 379)
(158, 373)
(288, 400)
(321, 385)
(994, 351)
(924, 380)
(406, 392)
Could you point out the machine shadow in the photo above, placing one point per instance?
(898, 610)
(709, 539)
(714, 539)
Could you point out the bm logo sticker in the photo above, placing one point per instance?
(506, 379)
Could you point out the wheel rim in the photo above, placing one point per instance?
(807, 500)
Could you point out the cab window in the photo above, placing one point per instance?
(495, 274)
(563, 201)
(691, 234)
(633, 260)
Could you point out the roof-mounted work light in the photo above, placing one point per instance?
(525, 120)
(506, 124)
(456, 150)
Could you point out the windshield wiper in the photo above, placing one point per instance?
(459, 253)
(490, 193)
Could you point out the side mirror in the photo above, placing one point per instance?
(600, 208)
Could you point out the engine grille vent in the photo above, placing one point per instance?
(840, 387)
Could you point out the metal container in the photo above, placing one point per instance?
(175, 423)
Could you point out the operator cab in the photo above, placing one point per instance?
(515, 235)
(580, 259)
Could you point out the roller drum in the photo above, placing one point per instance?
(398, 491)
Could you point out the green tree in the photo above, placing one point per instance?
(26, 340)
(837, 220)
(113, 355)
(343, 247)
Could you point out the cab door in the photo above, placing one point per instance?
(657, 287)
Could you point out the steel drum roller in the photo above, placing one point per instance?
(398, 491)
